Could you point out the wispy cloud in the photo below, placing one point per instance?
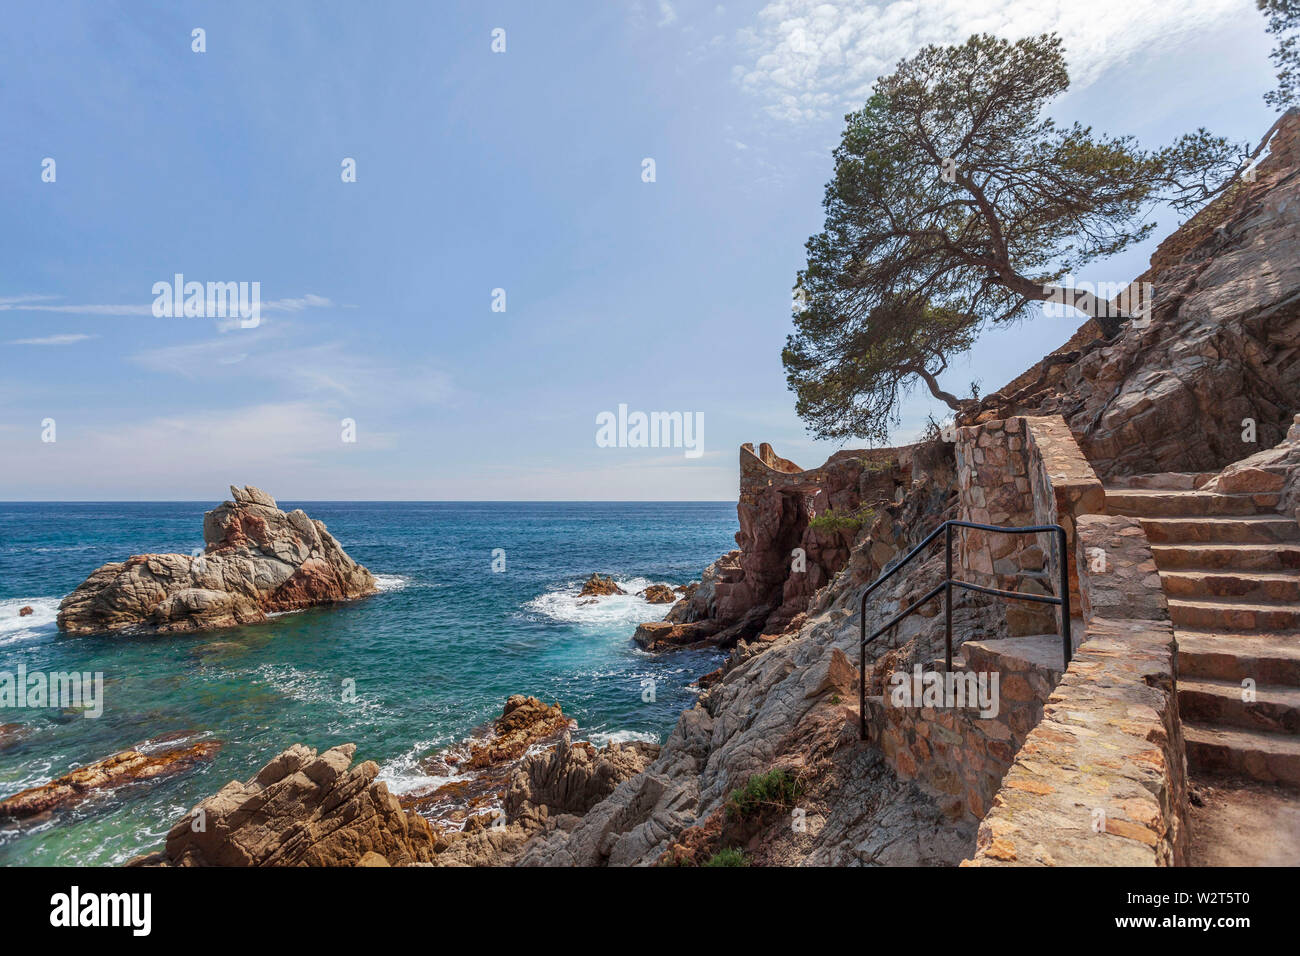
(39, 303)
(331, 370)
(811, 59)
(67, 339)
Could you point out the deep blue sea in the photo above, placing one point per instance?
(433, 656)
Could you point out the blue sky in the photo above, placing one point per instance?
(476, 170)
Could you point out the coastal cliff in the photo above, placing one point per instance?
(769, 767)
(257, 560)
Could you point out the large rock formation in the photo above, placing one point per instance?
(1220, 347)
(257, 559)
(302, 809)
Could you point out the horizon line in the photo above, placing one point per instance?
(361, 501)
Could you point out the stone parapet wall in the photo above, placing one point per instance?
(956, 754)
(1018, 472)
(1102, 779)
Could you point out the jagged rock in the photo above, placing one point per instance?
(301, 809)
(156, 758)
(525, 721)
(659, 594)
(597, 586)
(257, 560)
(572, 778)
(25, 611)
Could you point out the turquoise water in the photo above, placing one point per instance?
(433, 656)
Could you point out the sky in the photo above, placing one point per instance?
(477, 170)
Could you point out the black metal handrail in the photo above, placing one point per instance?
(946, 586)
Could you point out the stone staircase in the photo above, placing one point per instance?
(1230, 566)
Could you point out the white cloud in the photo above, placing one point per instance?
(667, 15)
(811, 59)
(67, 339)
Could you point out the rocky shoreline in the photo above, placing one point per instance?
(526, 777)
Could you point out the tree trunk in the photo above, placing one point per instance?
(951, 400)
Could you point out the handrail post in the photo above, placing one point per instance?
(1063, 558)
(947, 596)
(862, 669)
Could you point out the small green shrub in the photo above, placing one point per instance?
(830, 520)
(774, 788)
(728, 857)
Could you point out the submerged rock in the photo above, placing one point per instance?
(156, 758)
(25, 611)
(257, 560)
(13, 734)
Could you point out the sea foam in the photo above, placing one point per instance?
(40, 623)
(563, 604)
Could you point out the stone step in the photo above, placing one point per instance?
(1148, 503)
(1268, 658)
(1266, 586)
(1240, 557)
(1219, 702)
(1246, 529)
(1229, 614)
(1165, 480)
(1273, 758)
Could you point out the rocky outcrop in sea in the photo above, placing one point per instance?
(257, 560)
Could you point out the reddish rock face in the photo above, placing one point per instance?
(596, 586)
(659, 594)
(302, 809)
(24, 611)
(797, 530)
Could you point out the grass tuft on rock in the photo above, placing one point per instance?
(776, 788)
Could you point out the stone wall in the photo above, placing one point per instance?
(1102, 779)
(1018, 472)
(956, 754)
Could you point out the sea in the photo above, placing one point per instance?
(478, 601)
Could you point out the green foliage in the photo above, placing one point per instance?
(1284, 23)
(956, 202)
(875, 467)
(829, 520)
(774, 788)
(728, 857)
